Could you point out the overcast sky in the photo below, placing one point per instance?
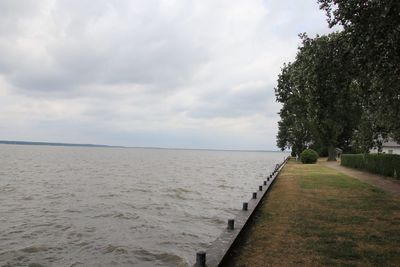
(189, 74)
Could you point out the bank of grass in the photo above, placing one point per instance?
(317, 216)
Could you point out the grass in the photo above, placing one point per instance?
(316, 216)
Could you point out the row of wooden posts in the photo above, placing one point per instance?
(201, 256)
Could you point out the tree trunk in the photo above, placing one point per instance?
(331, 153)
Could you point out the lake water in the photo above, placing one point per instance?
(80, 206)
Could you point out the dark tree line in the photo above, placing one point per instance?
(343, 89)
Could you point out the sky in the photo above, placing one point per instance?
(147, 73)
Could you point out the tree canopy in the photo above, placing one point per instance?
(373, 29)
(317, 95)
(343, 89)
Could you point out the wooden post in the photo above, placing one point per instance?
(231, 224)
(201, 259)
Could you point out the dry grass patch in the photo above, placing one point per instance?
(317, 216)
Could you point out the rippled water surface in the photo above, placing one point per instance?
(79, 206)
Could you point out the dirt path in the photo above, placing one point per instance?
(392, 186)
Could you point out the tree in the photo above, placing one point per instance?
(293, 133)
(368, 134)
(373, 29)
(293, 129)
(332, 98)
(318, 93)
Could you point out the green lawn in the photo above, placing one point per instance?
(317, 216)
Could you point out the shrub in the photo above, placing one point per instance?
(384, 164)
(308, 156)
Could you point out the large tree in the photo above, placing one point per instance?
(318, 87)
(294, 129)
(373, 29)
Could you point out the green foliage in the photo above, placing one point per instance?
(353, 160)
(343, 89)
(309, 156)
(321, 150)
(294, 131)
(318, 96)
(372, 29)
(384, 164)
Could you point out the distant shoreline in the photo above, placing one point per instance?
(29, 143)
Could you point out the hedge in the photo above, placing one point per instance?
(384, 164)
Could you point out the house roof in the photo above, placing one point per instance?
(390, 144)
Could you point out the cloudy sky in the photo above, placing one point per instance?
(159, 73)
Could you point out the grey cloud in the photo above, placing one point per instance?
(253, 98)
(135, 72)
(137, 50)
(14, 12)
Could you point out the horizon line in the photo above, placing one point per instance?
(16, 142)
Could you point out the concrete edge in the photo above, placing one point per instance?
(217, 251)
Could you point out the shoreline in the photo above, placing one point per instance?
(218, 252)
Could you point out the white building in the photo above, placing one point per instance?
(389, 147)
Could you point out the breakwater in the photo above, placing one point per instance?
(219, 249)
